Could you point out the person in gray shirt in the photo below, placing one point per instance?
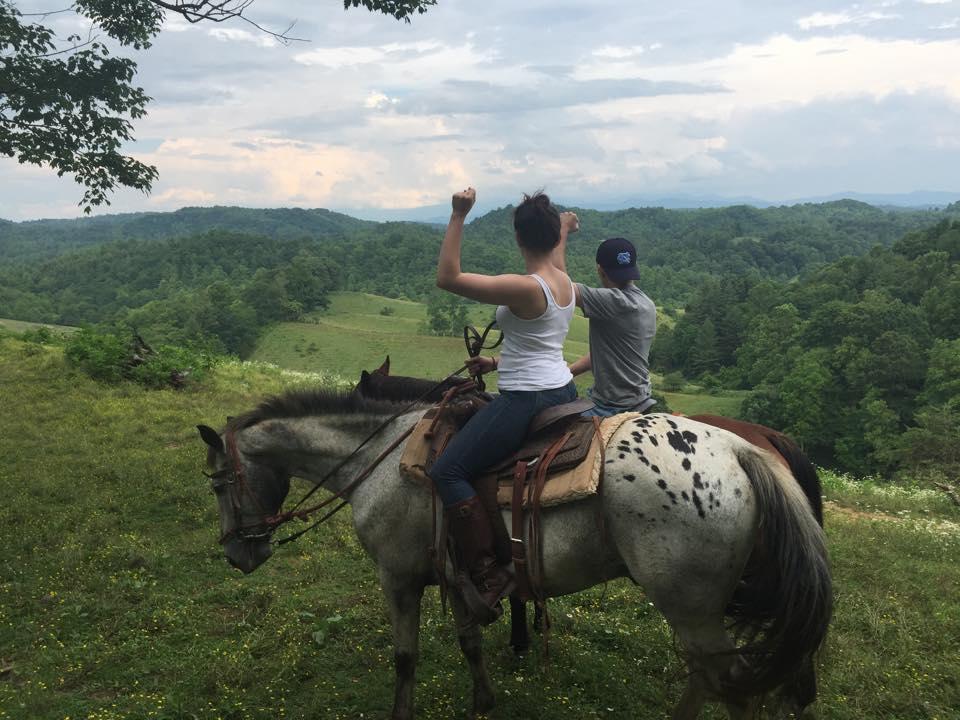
(623, 322)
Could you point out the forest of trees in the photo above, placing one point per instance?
(219, 289)
(859, 359)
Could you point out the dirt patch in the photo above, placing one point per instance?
(946, 527)
(859, 514)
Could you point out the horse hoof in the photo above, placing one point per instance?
(483, 703)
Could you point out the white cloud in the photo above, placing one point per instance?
(346, 56)
(227, 34)
(948, 25)
(788, 70)
(178, 196)
(618, 51)
(832, 20)
(377, 100)
(339, 57)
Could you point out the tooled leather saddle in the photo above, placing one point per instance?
(557, 443)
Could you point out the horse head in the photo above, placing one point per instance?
(248, 493)
(371, 383)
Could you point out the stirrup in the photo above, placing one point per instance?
(484, 614)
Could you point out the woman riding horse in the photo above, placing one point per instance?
(534, 312)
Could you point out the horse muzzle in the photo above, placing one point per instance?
(247, 555)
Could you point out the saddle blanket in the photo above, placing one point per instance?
(564, 483)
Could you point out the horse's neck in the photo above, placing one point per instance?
(400, 387)
(311, 447)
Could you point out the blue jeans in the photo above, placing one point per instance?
(491, 435)
(601, 411)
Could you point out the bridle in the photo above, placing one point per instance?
(232, 478)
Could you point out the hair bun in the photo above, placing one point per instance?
(537, 222)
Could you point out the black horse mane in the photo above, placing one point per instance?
(307, 403)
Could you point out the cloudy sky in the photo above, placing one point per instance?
(596, 101)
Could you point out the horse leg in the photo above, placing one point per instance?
(708, 648)
(468, 633)
(537, 618)
(796, 694)
(519, 636)
(403, 601)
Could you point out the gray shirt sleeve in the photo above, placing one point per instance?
(600, 302)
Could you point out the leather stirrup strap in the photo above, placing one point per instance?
(536, 536)
(601, 523)
(536, 530)
(438, 549)
(518, 549)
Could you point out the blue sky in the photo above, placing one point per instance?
(595, 101)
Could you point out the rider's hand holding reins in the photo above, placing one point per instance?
(480, 365)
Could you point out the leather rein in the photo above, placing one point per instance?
(233, 479)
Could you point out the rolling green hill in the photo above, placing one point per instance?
(353, 334)
(34, 240)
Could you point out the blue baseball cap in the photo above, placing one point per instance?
(618, 258)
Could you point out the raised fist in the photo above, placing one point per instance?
(569, 221)
(463, 201)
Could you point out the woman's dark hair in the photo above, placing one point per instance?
(537, 223)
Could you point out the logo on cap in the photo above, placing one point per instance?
(623, 258)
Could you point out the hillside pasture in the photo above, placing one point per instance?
(358, 330)
(116, 603)
(19, 326)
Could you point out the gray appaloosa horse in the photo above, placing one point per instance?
(685, 507)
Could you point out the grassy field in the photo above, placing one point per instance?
(19, 326)
(116, 603)
(354, 334)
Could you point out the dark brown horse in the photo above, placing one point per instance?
(749, 595)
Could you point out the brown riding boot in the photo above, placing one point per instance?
(481, 580)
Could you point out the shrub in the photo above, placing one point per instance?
(41, 336)
(109, 358)
(673, 382)
(102, 356)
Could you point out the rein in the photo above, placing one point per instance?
(270, 523)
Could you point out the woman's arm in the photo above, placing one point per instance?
(513, 290)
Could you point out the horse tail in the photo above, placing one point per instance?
(783, 604)
(803, 471)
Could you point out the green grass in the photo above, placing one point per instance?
(19, 326)
(116, 603)
(352, 335)
(726, 402)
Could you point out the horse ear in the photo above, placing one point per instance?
(211, 437)
(385, 368)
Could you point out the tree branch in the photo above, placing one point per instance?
(221, 11)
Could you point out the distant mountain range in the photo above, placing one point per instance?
(439, 214)
(841, 226)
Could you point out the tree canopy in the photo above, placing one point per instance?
(68, 103)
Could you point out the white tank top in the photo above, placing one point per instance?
(532, 357)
